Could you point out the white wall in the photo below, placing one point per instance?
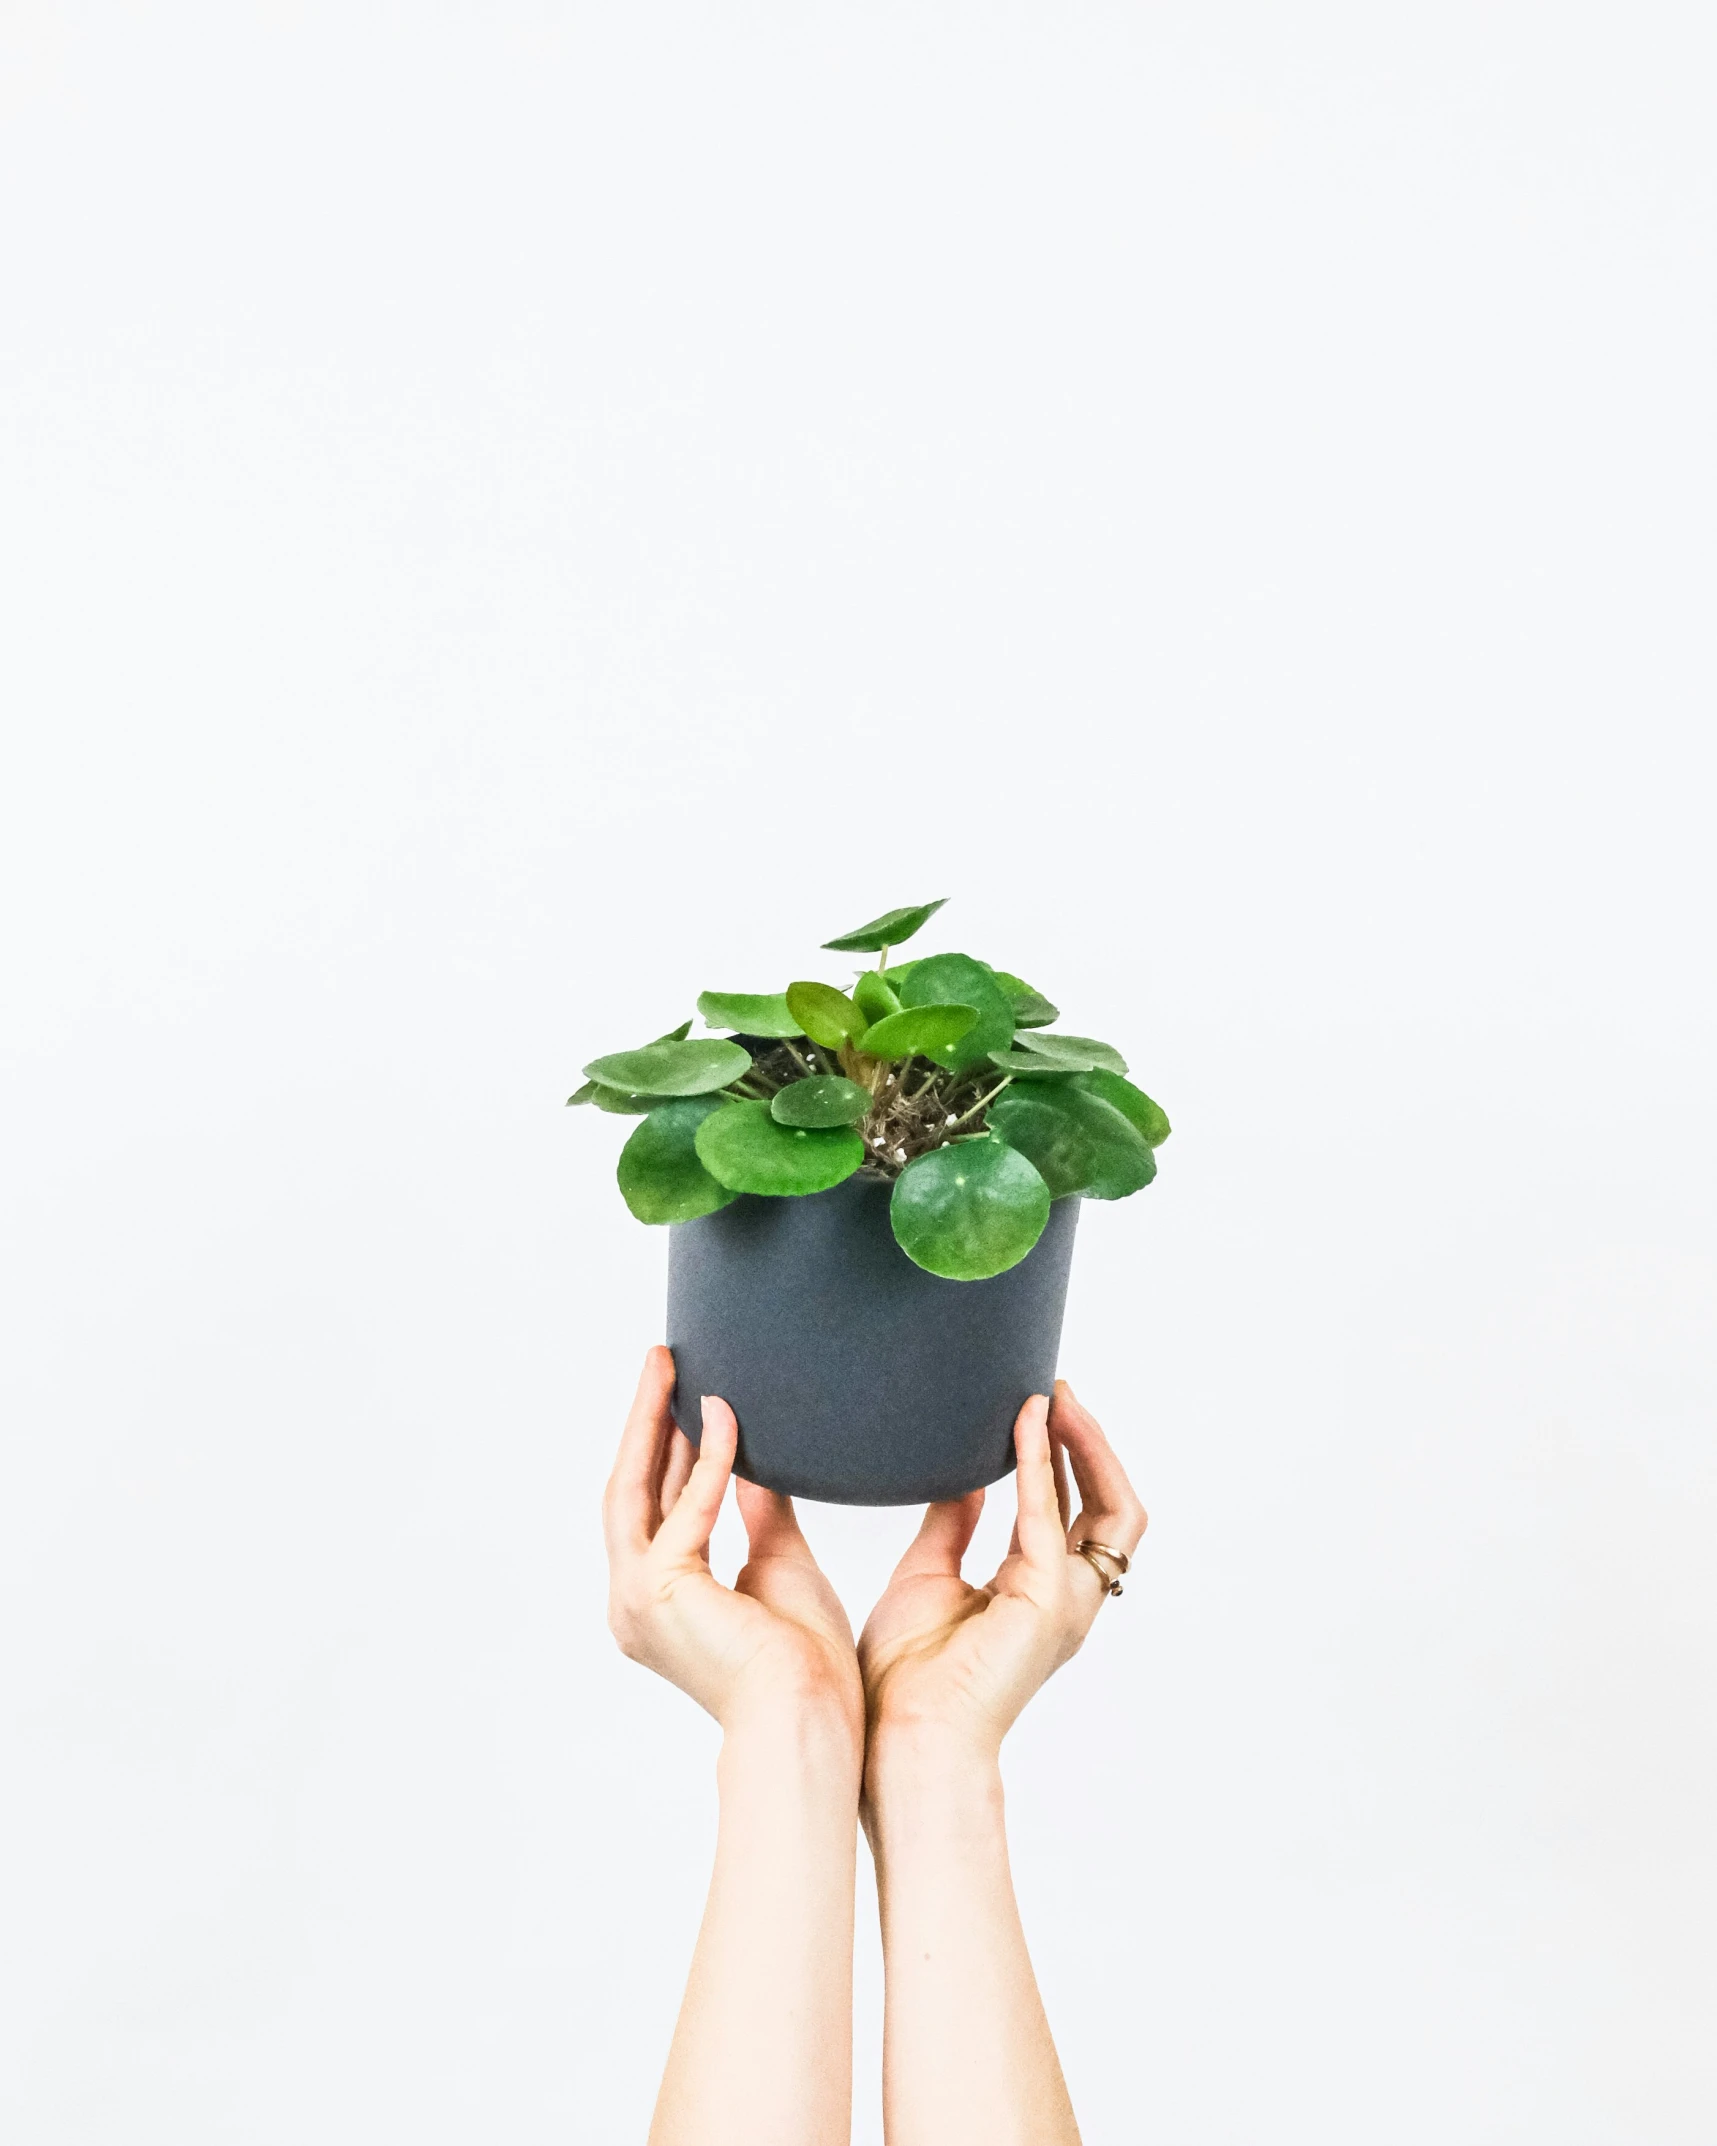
(513, 515)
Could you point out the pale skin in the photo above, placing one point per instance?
(902, 1733)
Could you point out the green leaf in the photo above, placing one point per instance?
(875, 998)
(897, 975)
(620, 1101)
(825, 1099)
(1078, 1142)
(1073, 1054)
(749, 1013)
(892, 929)
(1133, 1103)
(958, 980)
(931, 1030)
(672, 1068)
(661, 1178)
(1026, 1065)
(824, 1014)
(743, 1146)
(968, 1210)
(1031, 1008)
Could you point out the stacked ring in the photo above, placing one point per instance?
(1093, 1553)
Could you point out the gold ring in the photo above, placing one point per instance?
(1103, 1550)
(1088, 1551)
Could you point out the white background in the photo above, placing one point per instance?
(513, 515)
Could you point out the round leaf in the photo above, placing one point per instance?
(1025, 1065)
(874, 997)
(1133, 1103)
(958, 980)
(743, 1146)
(620, 1101)
(1031, 1008)
(1073, 1054)
(931, 1030)
(693, 1068)
(661, 1178)
(749, 1013)
(968, 1210)
(825, 1099)
(1078, 1142)
(892, 929)
(824, 1014)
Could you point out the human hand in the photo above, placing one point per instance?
(942, 1658)
(778, 1638)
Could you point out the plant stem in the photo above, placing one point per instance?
(1005, 1082)
(793, 1054)
(859, 1068)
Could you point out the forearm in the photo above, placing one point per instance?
(762, 2053)
(967, 2053)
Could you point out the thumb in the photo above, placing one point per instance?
(944, 1537)
(685, 1532)
(771, 1526)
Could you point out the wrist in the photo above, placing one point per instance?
(929, 1766)
(806, 1728)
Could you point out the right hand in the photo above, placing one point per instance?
(778, 1638)
(939, 1656)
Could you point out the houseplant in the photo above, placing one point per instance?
(872, 1195)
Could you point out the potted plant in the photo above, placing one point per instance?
(871, 1196)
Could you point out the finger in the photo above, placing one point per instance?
(1109, 1499)
(682, 1458)
(1042, 1538)
(629, 1509)
(659, 1473)
(1063, 1496)
(771, 1525)
(685, 1532)
(1089, 1587)
(944, 1537)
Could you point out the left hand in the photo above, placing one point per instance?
(779, 1636)
(955, 1664)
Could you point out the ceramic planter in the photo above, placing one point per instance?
(857, 1377)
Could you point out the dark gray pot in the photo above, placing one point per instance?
(857, 1377)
